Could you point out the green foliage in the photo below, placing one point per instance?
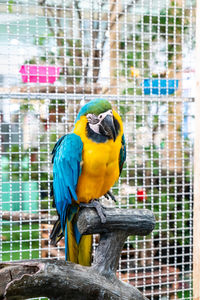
(167, 22)
(184, 295)
(73, 68)
(167, 26)
(10, 6)
(170, 199)
(29, 243)
(123, 109)
(22, 167)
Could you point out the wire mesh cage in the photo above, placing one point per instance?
(56, 56)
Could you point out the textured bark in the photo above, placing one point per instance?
(64, 280)
(110, 245)
(61, 280)
(132, 221)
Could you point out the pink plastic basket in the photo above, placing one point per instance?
(39, 74)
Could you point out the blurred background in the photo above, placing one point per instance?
(57, 55)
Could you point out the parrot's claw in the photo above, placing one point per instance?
(109, 194)
(95, 204)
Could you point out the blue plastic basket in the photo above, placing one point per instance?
(160, 86)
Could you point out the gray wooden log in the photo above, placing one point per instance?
(132, 221)
(120, 223)
(64, 280)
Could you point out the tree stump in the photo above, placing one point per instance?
(65, 280)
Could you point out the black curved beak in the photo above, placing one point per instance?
(107, 127)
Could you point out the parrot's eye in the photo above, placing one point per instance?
(103, 115)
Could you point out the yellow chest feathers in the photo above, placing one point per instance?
(100, 167)
(100, 158)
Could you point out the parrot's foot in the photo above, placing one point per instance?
(109, 194)
(95, 204)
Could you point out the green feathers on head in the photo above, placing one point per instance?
(96, 106)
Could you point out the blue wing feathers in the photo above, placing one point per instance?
(122, 154)
(77, 233)
(67, 155)
(56, 147)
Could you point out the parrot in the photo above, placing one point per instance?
(86, 164)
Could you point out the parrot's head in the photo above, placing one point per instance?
(101, 120)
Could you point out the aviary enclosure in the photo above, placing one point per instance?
(140, 55)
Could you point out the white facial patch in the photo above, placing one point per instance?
(94, 121)
(95, 127)
(103, 115)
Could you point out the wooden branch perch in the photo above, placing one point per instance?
(64, 280)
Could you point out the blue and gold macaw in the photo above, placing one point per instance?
(86, 164)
